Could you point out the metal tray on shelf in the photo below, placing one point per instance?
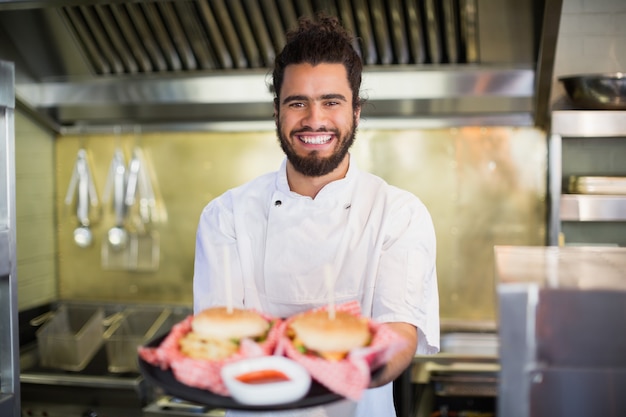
(597, 185)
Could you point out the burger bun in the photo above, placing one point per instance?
(219, 323)
(216, 332)
(328, 336)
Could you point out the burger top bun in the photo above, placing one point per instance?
(218, 323)
(317, 331)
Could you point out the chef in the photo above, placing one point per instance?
(269, 244)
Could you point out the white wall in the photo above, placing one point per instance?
(592, 39)
(34, 203)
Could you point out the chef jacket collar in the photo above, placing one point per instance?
(329, 190)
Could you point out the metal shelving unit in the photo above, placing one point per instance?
(581, 207)
(9, 334)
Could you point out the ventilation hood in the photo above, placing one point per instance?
(188, 62)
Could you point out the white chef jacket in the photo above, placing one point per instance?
(378, 241)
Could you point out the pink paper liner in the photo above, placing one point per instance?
(199, 373)
(351, 376)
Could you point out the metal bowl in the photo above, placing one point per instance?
(597, 91)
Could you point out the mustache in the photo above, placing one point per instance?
(311, 130)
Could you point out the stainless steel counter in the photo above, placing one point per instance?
(561, 328)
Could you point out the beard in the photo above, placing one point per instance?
(312, 165)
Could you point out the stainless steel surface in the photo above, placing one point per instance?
(9, 332)
(561, 318)
(451, 31)
(574, 124)
(167, 406)
(596, 91)
(545, 59)
(96, 389)
(89, 381)
(468, 95)
(424, 367)
(71, 337)
(466, 385)
(580, 268)
(469, 29)
(121, 50)
(555, 172)
(432, 25)
(476, 343)
(580, 385)
(590, 123)
(417, 45)
(592, 208)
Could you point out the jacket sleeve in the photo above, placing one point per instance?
(407, 277)
(217, 272)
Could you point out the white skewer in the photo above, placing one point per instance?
(330, 287)
(228, 279)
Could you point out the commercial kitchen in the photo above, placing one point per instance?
(120, 120)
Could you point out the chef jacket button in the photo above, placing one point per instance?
(277, 203)
(347, 206)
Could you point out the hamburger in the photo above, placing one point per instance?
(330, 338)
(216, 333)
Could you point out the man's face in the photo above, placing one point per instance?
(315, 120)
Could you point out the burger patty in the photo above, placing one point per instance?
(197, 347)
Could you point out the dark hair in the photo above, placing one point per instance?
(315, 41)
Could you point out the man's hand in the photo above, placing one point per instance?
(401, 360)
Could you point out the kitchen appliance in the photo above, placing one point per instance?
(561, 332)
(462, 379)
(108, 383)
(9, 351)
(132, 328)
(70, 337)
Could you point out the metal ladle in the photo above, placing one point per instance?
(87, 195)
(117, 235)
(82, 234)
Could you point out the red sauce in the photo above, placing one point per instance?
(263, 376)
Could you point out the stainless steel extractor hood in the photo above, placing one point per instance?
(441, 62)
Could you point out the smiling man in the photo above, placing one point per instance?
(319, 212)
(316, 123)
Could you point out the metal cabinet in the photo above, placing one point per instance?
(9, 344)
(561, 321)
(593, 208)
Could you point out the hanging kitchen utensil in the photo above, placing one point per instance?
(115, 244)
(117, 235)
(144, 240)
(82, 182)
(82, 234)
